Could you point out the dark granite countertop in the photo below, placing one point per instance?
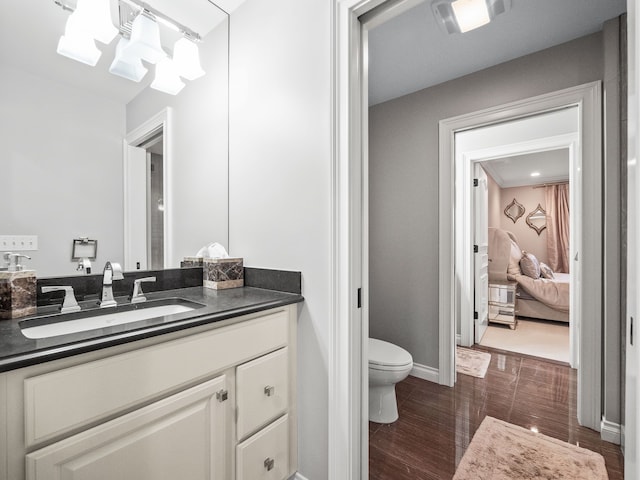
(18, 351)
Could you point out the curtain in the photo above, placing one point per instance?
(557, 199)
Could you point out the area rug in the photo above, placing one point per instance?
(501, 451)
(472, 362)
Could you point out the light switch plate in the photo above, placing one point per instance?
(18, 243)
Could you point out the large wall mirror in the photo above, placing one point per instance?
(64, 128)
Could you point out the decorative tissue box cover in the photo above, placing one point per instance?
(17, 294)
(220, 273)
(191, 262)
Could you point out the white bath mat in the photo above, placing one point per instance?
(472, 362)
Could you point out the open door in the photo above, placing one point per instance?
(481, 249)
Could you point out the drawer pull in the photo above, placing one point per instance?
(269, 390)
(269, 463)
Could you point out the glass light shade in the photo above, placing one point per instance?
(167, 79)
(186, 59)
(470, 14)
(97, 15)
(77, 43)
(145, 40)
(125, 66)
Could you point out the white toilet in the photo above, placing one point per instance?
(388, 365)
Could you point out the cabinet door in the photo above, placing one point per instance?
(265, 456)
(182, 436)
(262, 391)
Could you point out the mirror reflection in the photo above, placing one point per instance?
(67, 128)
(537, 219)
(514, 210)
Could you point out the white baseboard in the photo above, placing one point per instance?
(298, 476)
(458, 339)
(610, 432)
(425, 373)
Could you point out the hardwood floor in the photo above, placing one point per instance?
(437, 423)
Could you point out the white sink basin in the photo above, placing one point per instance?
(96, 319)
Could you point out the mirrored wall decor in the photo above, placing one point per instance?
(537, 219)
(514, 210)
(65, 125)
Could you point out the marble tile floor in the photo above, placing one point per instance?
(437, 423)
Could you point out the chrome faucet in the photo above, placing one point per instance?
(112, 271)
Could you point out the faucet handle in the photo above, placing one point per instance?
(138, 294)
(69, 303)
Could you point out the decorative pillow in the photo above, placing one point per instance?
(514, 260)
(529, 265)
(546, 272)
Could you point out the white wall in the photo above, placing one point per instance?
(280, 156)
(198, 196)
(60, 169)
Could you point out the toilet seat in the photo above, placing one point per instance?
(387, 356)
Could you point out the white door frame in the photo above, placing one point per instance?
(631, 425)
(162, 120)
(347, 452)
(588, 99)
(348, 364)
(465, 209)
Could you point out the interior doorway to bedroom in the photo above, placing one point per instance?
(514, 227)
(528, 229)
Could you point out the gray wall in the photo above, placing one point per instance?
(403, 162)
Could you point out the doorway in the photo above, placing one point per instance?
(517, 194)
(458, 260)
(147, 219)
(349, 352)
(552, 140)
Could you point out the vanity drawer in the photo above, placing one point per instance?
(265, 456)
(59, 402)
(262, 390)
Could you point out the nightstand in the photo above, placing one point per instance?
(502, 303)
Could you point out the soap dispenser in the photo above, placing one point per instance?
(17, 288)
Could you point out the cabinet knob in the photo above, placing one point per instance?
(269, 463)
(269, 390)
(222, 395)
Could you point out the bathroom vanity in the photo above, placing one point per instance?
(207, 394)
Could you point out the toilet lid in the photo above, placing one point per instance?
(387, 354)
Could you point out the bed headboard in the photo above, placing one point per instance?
(499, 253)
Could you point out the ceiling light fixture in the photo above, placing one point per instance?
(535, 174)
(461, 16)
(140, 41)
(127, 66)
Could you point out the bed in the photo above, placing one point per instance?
(542, 298)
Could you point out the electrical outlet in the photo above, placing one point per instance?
(18, 243)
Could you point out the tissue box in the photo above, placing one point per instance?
(191, 262)
(17, 294)
(220, 273)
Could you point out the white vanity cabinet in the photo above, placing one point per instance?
(209, 403)
(182, 436)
